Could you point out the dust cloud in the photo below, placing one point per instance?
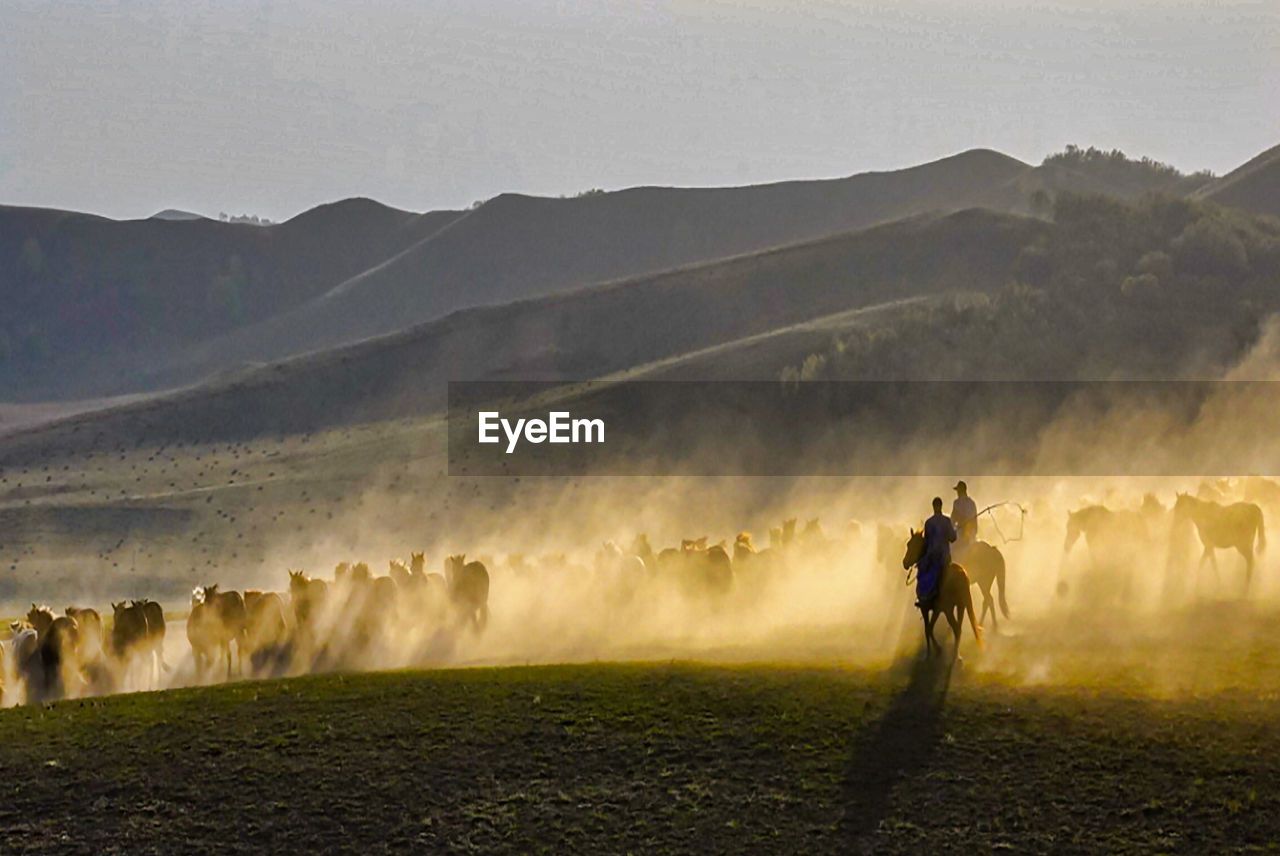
(1129, 604)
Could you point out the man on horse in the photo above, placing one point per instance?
(964, 514)
(938, 535)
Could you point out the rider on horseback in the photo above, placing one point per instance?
(964, 514)
(938, 535)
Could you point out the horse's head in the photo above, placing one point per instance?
(197, 596)
(417, 562)
(211, 591)
(915, 549)
(118, 608)
(1183, 504)
(40, 617)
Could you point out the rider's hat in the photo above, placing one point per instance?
(960, 486)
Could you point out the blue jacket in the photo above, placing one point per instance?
(938, 535)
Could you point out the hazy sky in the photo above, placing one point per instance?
(270, 107)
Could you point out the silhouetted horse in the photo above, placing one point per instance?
(1104, 530)
(468, 584)
(217, 619)
(953, 599)
(137, 639)
(90, 638)
(54, 664)
(985, 565)
(1224, 526)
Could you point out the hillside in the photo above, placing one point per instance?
(1254, 185)
(89, 299)
(100, 307)
(582, 334)
(514, 247)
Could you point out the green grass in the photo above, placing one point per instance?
(638, 758)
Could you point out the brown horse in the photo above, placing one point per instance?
(217, 619)
(53, 670)
(137, 634)
(468, 585)
(1223, 527)
(953, 599)
(985, 566)
(90, 638)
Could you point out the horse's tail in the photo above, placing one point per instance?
(1262, 533)
(1004, 606)
(973, 620)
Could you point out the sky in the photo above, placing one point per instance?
(270, 108)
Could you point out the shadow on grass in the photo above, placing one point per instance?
(896, 747)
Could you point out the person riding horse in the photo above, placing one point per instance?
(939, 533)
(964, 514)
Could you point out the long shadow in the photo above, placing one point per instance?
(896, 747)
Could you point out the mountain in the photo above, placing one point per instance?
(516, 246)
(586, 333)
(88, 300)
(1254, 185)
(100, 307)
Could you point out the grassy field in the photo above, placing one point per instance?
(666, 758)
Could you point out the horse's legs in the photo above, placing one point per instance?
(1209, 555)
(1247, 553)
(928, 639)
(988, 604)
(953, 618)
(933, 619)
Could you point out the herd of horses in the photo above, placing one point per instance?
(1114, 537)
(315, 624)
(324, 624)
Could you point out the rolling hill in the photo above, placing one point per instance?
(515, 246)
(110, 307)
(100, 307)
(88, 299)
(581, 334)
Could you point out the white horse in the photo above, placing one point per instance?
(16, 657)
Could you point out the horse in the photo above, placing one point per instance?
(154, 614)
(22, 647)
(699, 569)
(1224, 526)
(953, 599)
(138, 630)
(468, 587)
(985, 565)
(617, 572)
(47, 671)
(308, 599)
(216, 620)
(266, 635)
(1104, 530)
(400, 572)
(90, 637)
